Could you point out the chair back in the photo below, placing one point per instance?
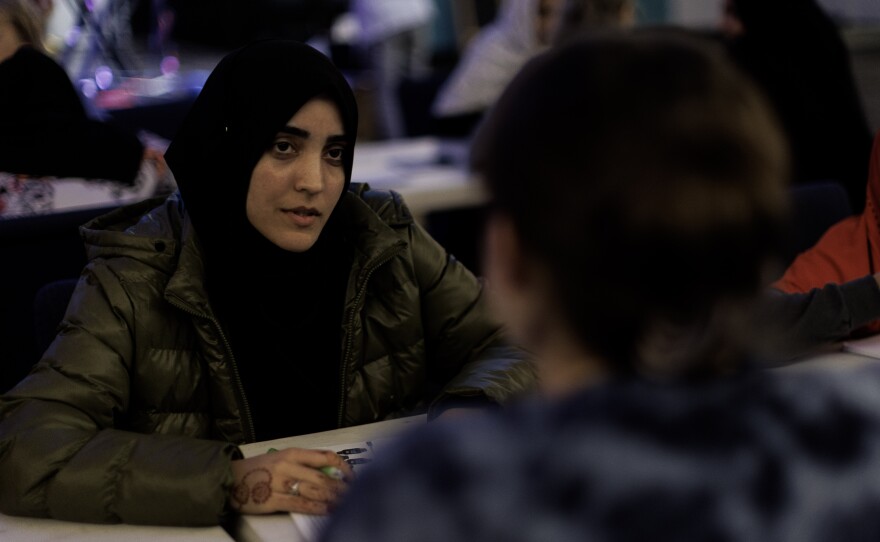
(50, 304)
(815, 208)
(36, 250)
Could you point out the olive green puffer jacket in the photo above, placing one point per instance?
(134, 411)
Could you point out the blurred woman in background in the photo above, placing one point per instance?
(794, 52)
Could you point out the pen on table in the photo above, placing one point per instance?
(332, 472)
(352, 451)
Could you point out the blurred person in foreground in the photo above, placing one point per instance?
(638, 197)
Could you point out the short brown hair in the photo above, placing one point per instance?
(647, 175)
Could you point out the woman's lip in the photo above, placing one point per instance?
(307, 211)
(302, 216)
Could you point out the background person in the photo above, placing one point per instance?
(834, 287)
(579, 16)
(522, 29)
(44, 128)
(395, 37)
(794, 52)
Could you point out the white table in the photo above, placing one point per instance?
(280, 527)
(430, 173)
(16, 529)
(835, 360)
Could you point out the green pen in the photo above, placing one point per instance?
(333, 472)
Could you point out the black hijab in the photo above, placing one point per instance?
(281, 311)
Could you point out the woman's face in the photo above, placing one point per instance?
(10, 41)
(731, 25)
(298, 180)
(548, 19)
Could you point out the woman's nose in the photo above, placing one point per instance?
(309, 177)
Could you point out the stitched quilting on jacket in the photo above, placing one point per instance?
(134, 410)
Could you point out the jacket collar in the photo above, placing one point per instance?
(371, 229)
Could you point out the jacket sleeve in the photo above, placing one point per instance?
(801, 322)
(465, 347)
(61, 453)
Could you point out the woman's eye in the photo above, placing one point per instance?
(335, 155)
(283, 146)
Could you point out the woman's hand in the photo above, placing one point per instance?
(157, 157)
(287, 481)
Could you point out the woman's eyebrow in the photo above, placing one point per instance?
(305, 134)
(338, 139)
(294, 131)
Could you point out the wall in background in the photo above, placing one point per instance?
(705, 13)
(857, 11)
(652, 11)
(695, 13)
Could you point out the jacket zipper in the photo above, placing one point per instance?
(250, 432)
(366, 274)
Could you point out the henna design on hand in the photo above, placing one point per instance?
(260, 490)
(240, 494)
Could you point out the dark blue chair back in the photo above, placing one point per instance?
(815, 208)
(50, 304)
(36, 250)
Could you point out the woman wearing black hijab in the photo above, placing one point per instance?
(268, 298)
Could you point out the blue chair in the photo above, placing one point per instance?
(50, 304)
(815, 208)
(36, 250)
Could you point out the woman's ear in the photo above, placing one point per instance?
(628, 14)
(502, 255)
(511, 282)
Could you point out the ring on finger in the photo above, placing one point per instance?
(294, 488)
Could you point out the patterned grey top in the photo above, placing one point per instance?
(775, 455)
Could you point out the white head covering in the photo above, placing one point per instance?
(491, 60)
(380, 19)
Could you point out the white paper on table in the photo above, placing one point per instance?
(396, 163)
(310, 526)
(868, 346)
